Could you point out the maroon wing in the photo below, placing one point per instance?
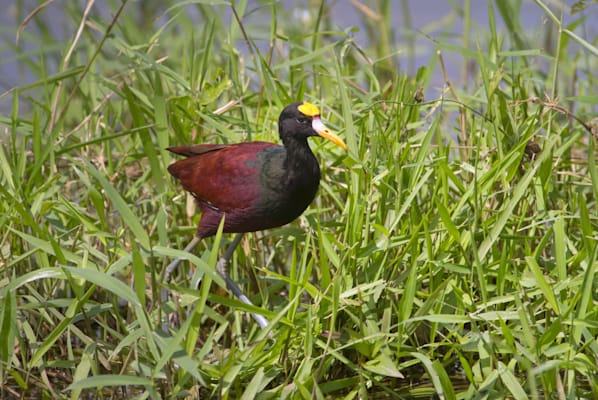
(226, 176)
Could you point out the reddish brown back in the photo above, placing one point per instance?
(227, 176)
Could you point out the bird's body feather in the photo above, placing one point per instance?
(249, 183)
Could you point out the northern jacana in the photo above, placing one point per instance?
(254, 185)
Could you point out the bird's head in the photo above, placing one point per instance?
(301, 120)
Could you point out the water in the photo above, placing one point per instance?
(429, 19)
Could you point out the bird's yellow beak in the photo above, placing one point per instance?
(310, 110)
(326, 133)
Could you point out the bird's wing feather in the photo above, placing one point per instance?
(226, 176)
(195, 150)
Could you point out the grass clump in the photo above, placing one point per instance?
(450, 252)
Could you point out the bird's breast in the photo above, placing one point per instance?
(286, 189)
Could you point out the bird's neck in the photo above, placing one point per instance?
(301, 166)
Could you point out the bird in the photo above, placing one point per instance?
(254, 185)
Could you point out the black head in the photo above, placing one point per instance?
(300, 120)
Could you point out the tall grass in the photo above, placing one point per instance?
(451, 252)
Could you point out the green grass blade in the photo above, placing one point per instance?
(128, 217)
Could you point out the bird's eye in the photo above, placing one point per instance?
(303, 120)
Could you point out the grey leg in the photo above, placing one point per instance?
(231, 285)
(221, 269)
(168, 273)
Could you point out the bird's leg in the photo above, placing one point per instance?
(168, 273)
(221, 269)
(231, 285)
(173, 265)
